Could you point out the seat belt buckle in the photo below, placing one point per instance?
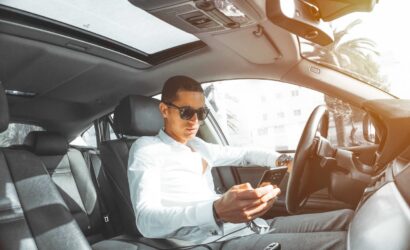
(106, 218)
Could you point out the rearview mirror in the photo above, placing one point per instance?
(333, 9)
(305, 18)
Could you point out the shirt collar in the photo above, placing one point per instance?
(168, 139)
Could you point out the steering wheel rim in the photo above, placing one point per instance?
(297, 185)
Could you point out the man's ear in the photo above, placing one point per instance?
(163, 109)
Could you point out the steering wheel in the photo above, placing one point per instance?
(297, 190)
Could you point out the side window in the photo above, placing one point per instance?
(273, 114)
(86, 139)
(261, 113)
(16, 133)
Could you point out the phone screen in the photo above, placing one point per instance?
(273, 176)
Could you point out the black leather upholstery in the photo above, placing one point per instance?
(134, 116)
(70, 173)
(4, 110)
(46, 143)
(114, 157)
(138, 116)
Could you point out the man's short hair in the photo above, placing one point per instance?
(179, 83)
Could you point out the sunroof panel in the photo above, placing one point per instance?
(116, 20)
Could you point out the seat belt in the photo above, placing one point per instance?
(91, 161)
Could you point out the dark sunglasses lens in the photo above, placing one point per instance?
(202, 114)
(187, 113)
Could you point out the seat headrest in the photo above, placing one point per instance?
(46, 143)
(4, 110)
(138, 116)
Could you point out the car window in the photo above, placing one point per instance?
(273, 114)
(16, 133)
(86, 139)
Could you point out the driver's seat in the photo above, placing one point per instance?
(134, 117)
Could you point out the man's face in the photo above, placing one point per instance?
(178, 128)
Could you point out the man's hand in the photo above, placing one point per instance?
(242, 203)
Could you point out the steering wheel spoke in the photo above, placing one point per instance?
(310, 145)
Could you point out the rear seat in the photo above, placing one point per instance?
(70, 173)
(32, 213)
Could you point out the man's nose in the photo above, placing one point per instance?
(194, 118)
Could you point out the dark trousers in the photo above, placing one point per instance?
(307, 231)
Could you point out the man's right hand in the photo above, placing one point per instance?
(242, 203)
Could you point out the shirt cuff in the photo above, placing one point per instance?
(206, 219)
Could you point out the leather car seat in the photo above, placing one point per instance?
(135, 116)
(33, 214)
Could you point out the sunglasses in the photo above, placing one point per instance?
(186, 112)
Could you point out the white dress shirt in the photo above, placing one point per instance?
(171, 195)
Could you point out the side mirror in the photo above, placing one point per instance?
(369, 130)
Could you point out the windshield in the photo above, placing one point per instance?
(117, 20)
(370, 46)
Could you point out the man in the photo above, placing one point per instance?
(173, 195)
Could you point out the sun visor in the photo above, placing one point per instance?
(252, 43)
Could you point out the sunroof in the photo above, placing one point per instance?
(117, 20)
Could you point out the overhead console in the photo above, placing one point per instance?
(238, 24)
(200, 16)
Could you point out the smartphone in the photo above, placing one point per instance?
(273, 176)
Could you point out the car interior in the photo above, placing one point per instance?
(66, 79)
